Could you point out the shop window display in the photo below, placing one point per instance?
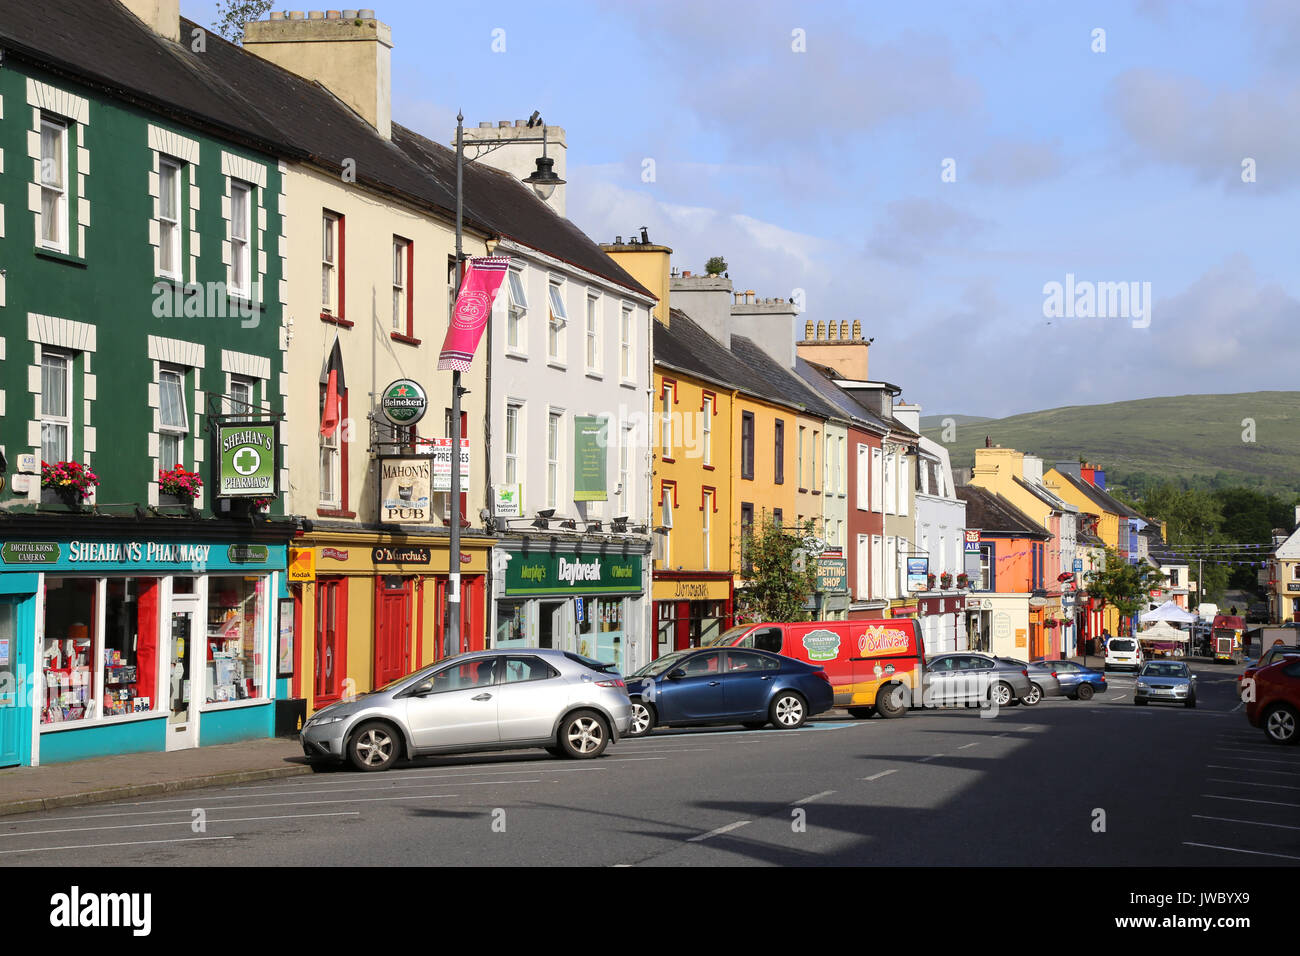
(71, 610)
(130, 645)
(511, 629)
(236, 612)
(600, 633)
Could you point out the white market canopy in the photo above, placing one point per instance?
(1162, 632)
(1169, 611)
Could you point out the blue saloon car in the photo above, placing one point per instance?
(726, 686)
(1077, 682)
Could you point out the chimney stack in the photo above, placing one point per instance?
(163, 17)
(518, 146)
(350, 57)
(838, 345)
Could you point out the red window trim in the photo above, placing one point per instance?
(342, 511)
(340, 254)
(705, 492)
(399, 337)
(705, 393)
(409, 335)
(664, 487)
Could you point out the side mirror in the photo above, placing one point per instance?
(677, 674)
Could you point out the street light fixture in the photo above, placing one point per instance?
(543, 179)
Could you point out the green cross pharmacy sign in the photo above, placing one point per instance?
(247, 460)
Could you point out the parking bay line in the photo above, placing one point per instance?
(719, 831)
(1289, 763)
(1270, 803)
(877, 776)
(96, 846)
(1251, 783)
(1285, 773)
(815, 796)
(1233, 849)
(975, 743)
(181, 823)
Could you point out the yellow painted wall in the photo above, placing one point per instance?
(649, 265)
(762, 491)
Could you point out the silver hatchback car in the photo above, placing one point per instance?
(971, 678)
(489, 700)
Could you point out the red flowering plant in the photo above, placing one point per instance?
(69, 478)
(179, 482)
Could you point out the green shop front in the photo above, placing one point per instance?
(130, 635)
(585, 597)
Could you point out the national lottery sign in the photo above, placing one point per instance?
(247, 454)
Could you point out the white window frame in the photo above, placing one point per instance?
(516, 329)
(233, 404)
(863, 491)
(169, 229)
(799, 455)
(593, 352)
(667, 399)
(862, 586)
(904, 484)
(330, 456)
(706, 528)
(329, 256)
(877, 566)
(627, 340)
(241, 246)
(58, 190)
(513, 456)
(706, 429)
(554, 450)
(401, 250)
(557, 320)
(816, 440)
(877, 479)
(625, 464)
(61, 422)
(168, 433)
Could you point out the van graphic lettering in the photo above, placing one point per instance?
(822, 645)
(879, 640)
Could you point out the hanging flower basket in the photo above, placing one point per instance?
(929, 581)
(176, 486)
(945, 580)
(963, 580)
(67, 482)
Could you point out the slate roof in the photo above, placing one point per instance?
(1043, 495)
(1100, 498)
(777, 380)
(820, 379)
(236, 95)
(989, 512)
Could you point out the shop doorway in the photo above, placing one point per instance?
(330, 644)
(392, 628)
(15, 714)
(550, 624)
(182, 722)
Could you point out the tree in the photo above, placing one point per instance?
(232, 15)
(716, 266)
(1123, 586)
(773, 590)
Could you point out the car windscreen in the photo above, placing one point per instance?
(728, 637)
(660, 665)
(1164, 670)
(1120, 644)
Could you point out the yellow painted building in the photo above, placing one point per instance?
(1107, 529)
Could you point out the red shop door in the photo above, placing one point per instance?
(471, 615)
(392, 628)
(330, 645)
(683, 637)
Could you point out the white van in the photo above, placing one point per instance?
(1123, 652)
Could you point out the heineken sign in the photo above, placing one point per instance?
(404, 402)
(573, 573)
(247, 468)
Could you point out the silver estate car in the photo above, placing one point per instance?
(1171, 681)
(970, 678)
(488, 700)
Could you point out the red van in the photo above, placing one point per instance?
(874, 666)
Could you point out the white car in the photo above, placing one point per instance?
(1123, 652)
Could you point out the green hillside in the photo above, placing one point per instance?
(1198, 438)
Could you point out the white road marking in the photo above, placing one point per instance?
(1253, 823)
(815, 796)
(877, 776)
(1238, 707)
(670, 750)
(964, 746)
(181, 823)
(720, 830)
(931, 757)
(1024, 728)
(1285, 773)
(1271, 803)
(1255, 759)
(1233, 849)
(1250, 783)
(96, 846)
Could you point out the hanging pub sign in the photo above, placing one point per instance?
(588, 458)
(918, 571)
(247, 460)
(405, 487)
(403, 403)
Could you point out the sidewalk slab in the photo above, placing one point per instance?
(123, 776)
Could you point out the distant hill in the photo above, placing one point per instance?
(1194, 437)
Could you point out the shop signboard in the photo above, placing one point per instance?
(508, 500)
(302, 565)
(1078, 565)
(30, 552)
(832, 575)
(588, 458)
(247, 460)
(401, 555)
(548, 573)
(972, 541)
(405, 489)
(918, 571)
(442, 464)
(143, 554)
(403, 403)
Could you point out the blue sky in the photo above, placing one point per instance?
(820, 170)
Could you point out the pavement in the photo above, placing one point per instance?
(125, 776)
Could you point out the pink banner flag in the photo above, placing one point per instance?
(483, 277)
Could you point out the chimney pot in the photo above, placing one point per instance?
(332, 14)
(316, 15)
(503, 124)
(618, 241)
(349, 14)
(686, 274)
(366, 14)
(277, 14)
(857, 329)
(487, 124)
(296, 15)
(519, 123)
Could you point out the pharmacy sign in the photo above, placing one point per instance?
(248, 453)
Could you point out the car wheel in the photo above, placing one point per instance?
(1084, 692)
(861, 713)
(789, 711)
(373, 746)
(584, 735)
(1281, 724)
(1190, 702)
(891, 701)
(1034, 696)
(1139, 702)
(754, 724)
(643, 719)
(1002, 694)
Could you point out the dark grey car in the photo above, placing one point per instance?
(969, 678)
(1042, 675)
